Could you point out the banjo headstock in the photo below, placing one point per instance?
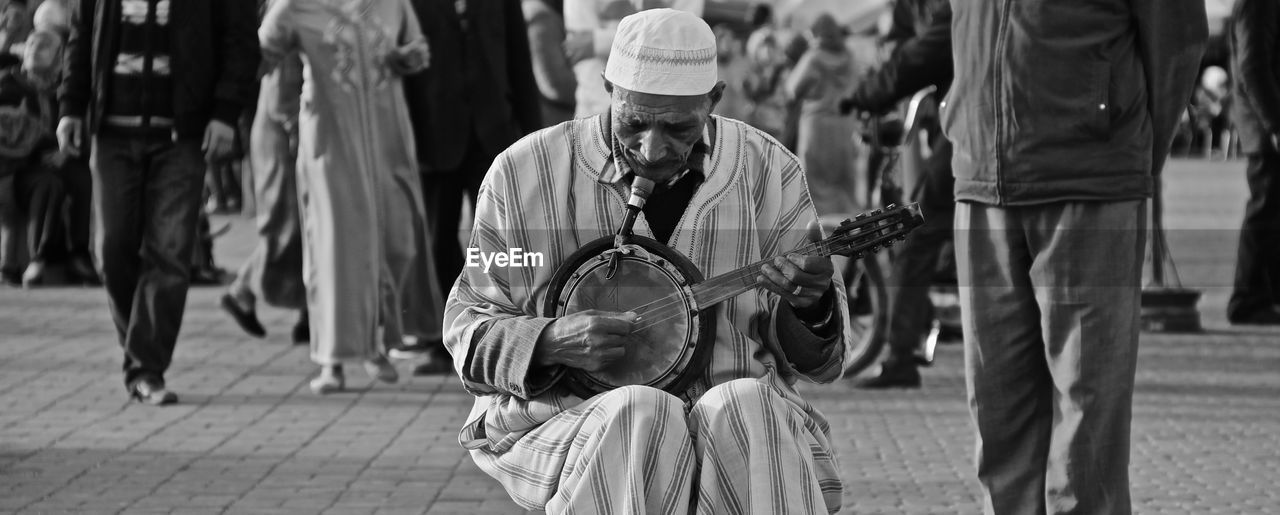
(873, 230)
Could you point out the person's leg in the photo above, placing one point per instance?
(79, 187)
(1007, 381)
(10, 267)
(1257, 277)
(117, 205)
(41, 192)
(1087, 275)
(170, 214)
(443, 195)
(625, 451)
(910, 309)
(759, 453)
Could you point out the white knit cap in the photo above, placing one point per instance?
(663, 52)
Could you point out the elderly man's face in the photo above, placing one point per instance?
(657, 132)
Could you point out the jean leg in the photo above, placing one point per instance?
(117, 204)
(1006, 377)
(170, 214)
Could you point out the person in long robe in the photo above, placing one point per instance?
(819, 81)
(363, 218)
(273, 271)
(740, 438)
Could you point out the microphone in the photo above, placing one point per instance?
(640, 190)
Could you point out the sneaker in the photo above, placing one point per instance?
(1264, 316)
(34, 274)
(148, 392)
(894, 373)
(440, 363)
(330, 380)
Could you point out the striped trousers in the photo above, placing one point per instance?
(740, 448)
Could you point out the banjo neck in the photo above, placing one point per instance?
(855, 238)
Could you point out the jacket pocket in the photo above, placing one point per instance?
(1064, 100)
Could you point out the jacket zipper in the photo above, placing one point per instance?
(997, 59)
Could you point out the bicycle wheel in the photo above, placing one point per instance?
(868, 300)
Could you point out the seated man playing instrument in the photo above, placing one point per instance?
(737, 438)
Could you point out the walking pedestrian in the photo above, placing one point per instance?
(156, 87)
(273, 272)
(362, 209)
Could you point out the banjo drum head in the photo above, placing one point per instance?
(667, 331)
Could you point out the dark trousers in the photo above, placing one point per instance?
(442, 192)
(1257, 282)
(916, 260)
(77, 183)
(1049, 300)
(37, 196)
(147, 204)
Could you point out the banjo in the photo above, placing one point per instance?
(675, 329)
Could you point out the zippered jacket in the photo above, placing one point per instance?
(1061, 100)
(213, 60)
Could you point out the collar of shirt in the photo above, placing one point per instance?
(621, 170)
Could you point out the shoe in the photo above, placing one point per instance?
(441, 363)
(330, 380)
(34, 275)
(414, 348)
(245, 317)
(11, 277)
(1264, 316)
(302, 329)
(894, 373)
(147, 391)
(381, 369)
(207, 276)
(81, 270)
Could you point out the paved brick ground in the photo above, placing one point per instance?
(249, 437)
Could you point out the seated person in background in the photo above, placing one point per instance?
(740, 438)
(37, 176)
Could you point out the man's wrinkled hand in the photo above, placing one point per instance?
(800, 280)
(588, 340)
(219, 141)
(70, 135)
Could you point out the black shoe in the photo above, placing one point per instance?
(247, 319)
(302, 329)
(149, 392)
(894, 373)
(441, 363)
(1264, 316)
(11, 277)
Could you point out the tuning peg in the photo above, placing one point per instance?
(891, 206)
(860, 216)
(876, 212)
(846, 221)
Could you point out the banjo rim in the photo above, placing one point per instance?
(582, 383)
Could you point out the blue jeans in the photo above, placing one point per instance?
(146, 202)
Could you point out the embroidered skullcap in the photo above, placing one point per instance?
(663, 52)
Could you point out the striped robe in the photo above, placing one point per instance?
(744, 441)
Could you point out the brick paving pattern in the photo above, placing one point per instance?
(249, 437)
